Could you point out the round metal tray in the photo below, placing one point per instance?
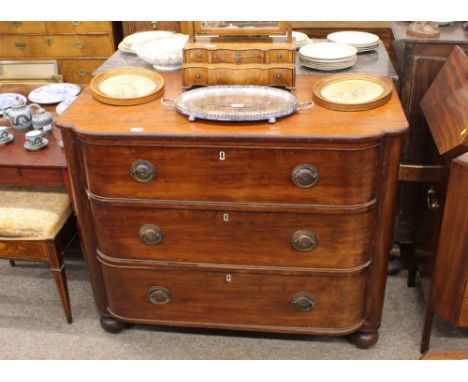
(236, 103)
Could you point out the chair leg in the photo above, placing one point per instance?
(58, 270)
(12, 263)
(61, 281)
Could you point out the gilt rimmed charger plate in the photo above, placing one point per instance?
(8, 99)
(352, 92)
(127, 86)
(54, 93)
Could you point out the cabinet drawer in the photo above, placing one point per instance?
(22, 27)
(141, 26)
(78, 26)
(226, 56)
(55, 46)
(78, 71)
(196, 55)
(279, 56)
(233, 237)
(232, 174)
(236, 300)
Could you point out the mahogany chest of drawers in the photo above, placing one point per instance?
(79, 46)
(260, 227)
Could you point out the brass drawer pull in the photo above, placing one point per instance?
(305, 176)
(20, 45)
(49, 40)
(198, 56)
(304, 241)
(16, 24)
(142, 171)
(154, 24)
(76, 23)
(79, 44)
(432, 202)
(197, 77)
(278, 76)
(279, 56)
(150, 234)
(303, 302)
(82, 73)
(159, 295)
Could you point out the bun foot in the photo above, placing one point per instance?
(110, 325)
(364, 340)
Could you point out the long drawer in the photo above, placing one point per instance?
(237, 300)
(233, 237)
(232, 174)
(22, 27)
(78, 26)
(78, 71)
(240, 56)
(33, 46)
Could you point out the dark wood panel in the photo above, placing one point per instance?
(244, 175)
(230, 299)
(231, 237)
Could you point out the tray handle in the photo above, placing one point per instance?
(168, 102)
(305, 105)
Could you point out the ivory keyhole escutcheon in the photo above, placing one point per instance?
(222, 155)
(226, 217)
(228, 278)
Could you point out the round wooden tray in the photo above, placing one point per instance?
(127, 90)
(352, 92)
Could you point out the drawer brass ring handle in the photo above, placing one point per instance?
(16, 24)
(83, 72)
(159, 295)
(79, 44)
(305, 176)
(278, 76)
(279, 56)
(76, 23)
(197, 77)
(150, 234)
(142, 171)
(432, 202)
(304, 241)
(20, 45)
(303, 302)
(154, 24)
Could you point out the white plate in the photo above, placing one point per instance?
(7, 99)
(331, 51)
(62, 106)
(138, 38)
(300, 37)
(355, 38)
(54, 93)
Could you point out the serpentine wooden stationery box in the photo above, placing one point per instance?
(237, 56)
(246, 226)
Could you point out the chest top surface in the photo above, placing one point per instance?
(91, 118)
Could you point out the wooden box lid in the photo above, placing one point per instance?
(445, 105)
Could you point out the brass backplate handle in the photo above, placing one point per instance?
(303, 302)
(79, 44)
(159, 295)
(142, 171)
(154, 24)
(150, 234)
(76, 23)
(20, 45)
(305, 176)
(16, 24)
(304, 241)
(83, 72)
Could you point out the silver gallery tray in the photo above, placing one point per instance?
(236, 103)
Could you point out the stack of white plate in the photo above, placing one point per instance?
(130, 43)
(362, 41)
(301, 39)
(328, 56)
